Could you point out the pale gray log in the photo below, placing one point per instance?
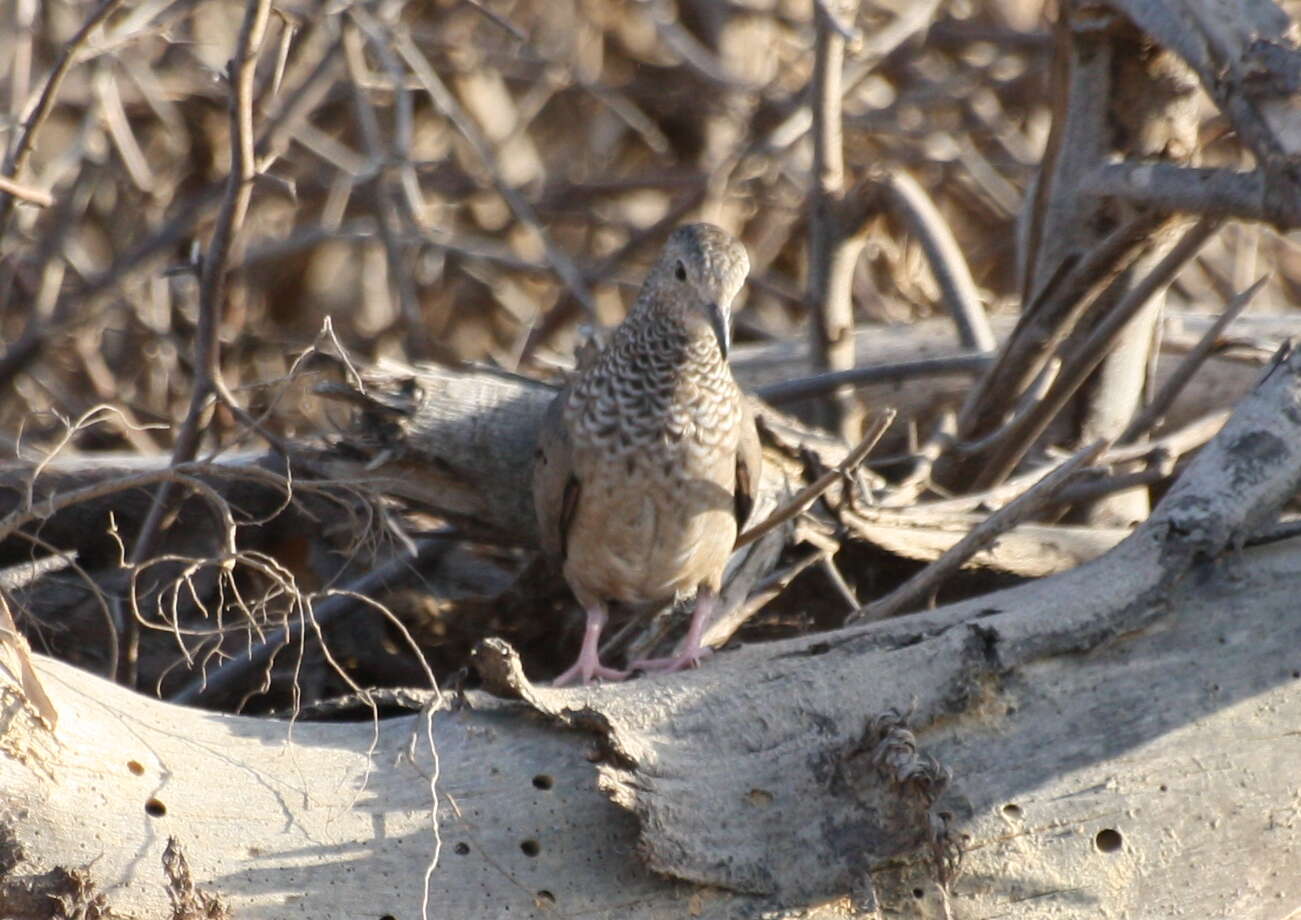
(1151, 693)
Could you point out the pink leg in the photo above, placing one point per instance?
(692, 652)
(588, 667)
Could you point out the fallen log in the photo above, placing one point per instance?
(1118, 737)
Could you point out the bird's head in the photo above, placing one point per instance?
(698, 276)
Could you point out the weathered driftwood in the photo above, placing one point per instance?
(1119, 738)
(1221, 381)
(457, 442)
(1111, 100)
(475, 429)
(1095, 266)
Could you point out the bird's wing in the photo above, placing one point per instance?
(555, 487)
(749, 464)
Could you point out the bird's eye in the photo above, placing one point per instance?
(681, 272)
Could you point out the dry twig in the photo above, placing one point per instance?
(804, 498)
(1017, 438)
(929, 579)
(25, 140)
(1164, 399)
(212, 282)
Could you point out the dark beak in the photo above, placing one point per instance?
(722, 331)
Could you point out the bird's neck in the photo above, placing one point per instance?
(669, 345)
(648, 383)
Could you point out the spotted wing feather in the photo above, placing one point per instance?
(749, 466)
(556, 489)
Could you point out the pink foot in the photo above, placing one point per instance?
(588, 667)
(580, 674)
(688, 658)
(693, 650)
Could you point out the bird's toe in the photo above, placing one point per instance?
(680, 662)
(583, 674)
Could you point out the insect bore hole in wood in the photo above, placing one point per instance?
(1108, 840)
